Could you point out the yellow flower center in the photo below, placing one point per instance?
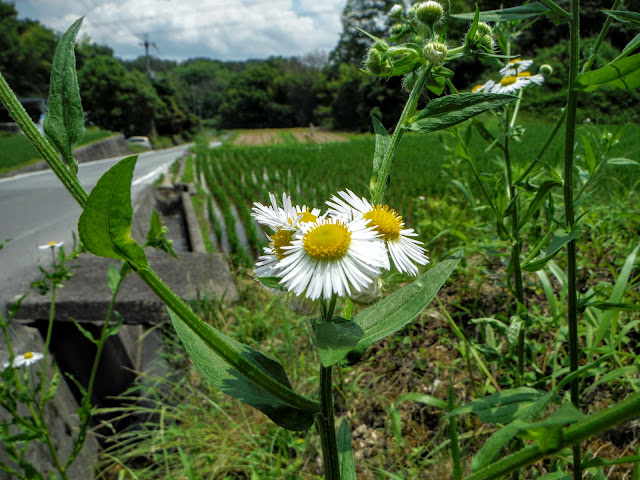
(308, 216)
(282, 238)
(28, 355)
(476, 88)
(508, 80)
(52, 244)
(514, 61)
(526, 73)
(327, 242)
(386, 222)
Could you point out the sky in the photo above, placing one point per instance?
(182, 29)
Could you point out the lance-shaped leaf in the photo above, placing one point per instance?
(502, 407)
(395, 311)
(557, 242)
(382, 143)
(64, 121)
(345, 453)
(623, 73)
(236, 383)
(105, 223)
(335, 339)
(446, 111)
(507, 14)
(623, 16)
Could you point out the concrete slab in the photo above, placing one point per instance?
(86, 296)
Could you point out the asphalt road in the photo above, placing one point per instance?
(35, 209)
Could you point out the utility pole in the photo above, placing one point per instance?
(146, 44)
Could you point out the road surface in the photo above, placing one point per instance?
(35, 209)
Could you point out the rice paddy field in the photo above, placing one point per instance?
(456, 350)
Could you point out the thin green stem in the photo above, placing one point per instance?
(379, 184)
(47, 342)
(325, 418)
(586, 428)
(572, 314)
(605, 28)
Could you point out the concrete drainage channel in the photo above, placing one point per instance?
(86, 297)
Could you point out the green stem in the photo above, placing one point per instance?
(325, 418)
(572, 314)
(605, 28)
(582, 430)
(379, 186)
(47, 342)
(17, 111)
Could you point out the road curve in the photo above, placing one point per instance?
(35, 208)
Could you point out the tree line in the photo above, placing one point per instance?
(330, 90)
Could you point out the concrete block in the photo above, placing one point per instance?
(60, 416)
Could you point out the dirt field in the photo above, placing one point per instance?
(286, 135)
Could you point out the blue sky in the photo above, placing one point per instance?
(219, 29)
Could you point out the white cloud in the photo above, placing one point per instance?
(220, 29)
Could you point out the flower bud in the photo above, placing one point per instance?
(483, 37)
(435, 52)
(370, 294)
(546, 70)
(397, 29)
(429, 12)
(301, 305)
(396, 11)
(376, 63)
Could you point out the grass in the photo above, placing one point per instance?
(462, 339)
(18, 151)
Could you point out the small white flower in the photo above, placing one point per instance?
(51, 245)
(388, 224)
(330, 257)
(515, 66)
(284, 221)
(27, 358)
(484, 88)
(510, 84)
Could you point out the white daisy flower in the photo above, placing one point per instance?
(51, 245)
(284, 221)
(515, 66)
(536, 79)
(27, 358)
(486, 87)
(332, 256)
(388, 224)
(510, 84)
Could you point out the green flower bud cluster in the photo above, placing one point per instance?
(376, 63)
(429, 12)
(483, 37)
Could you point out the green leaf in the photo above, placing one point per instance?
(382, 143)
(335, 339)
(53, 387)
(623, 16)
(501, 407)
(113, 277)
(623, 73)
(475, 17)
(105, 224)
(557, 242)
(619, 307)
(507, 14)
(345, 453)
(238, 384)
(534, 206)
(115, 328)
(88, 335)
(493, 446)
(446, 111)
(422, 398)
(272, 282)
(622, 161)
(601, 462)
(64, 120)
(395, 311)
(547, 433)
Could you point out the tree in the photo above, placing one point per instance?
(368, 15)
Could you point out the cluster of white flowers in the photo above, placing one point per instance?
(515, 76)
(341, 252)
